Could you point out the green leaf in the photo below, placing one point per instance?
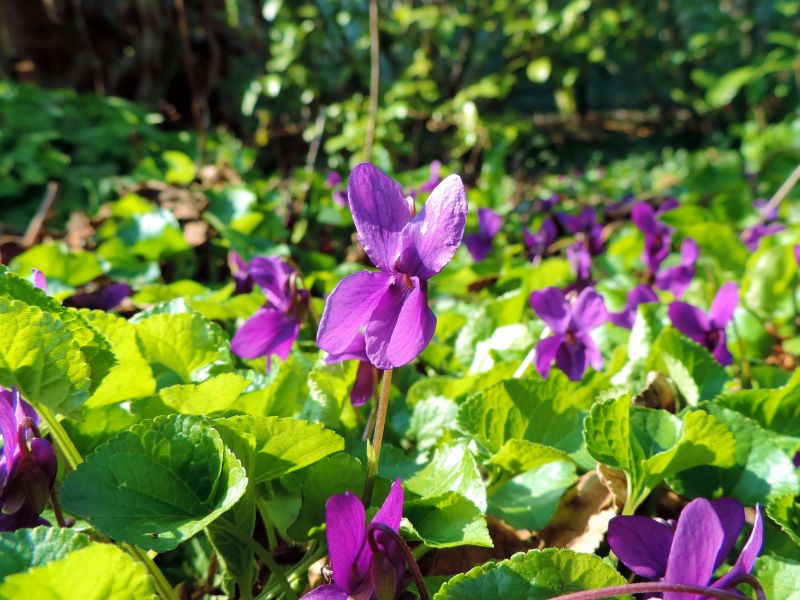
(777, 409)
(235, 557)
(97, 572)
(329, 392)
(157, 484)
(785, 511)
(446, 521)
(778, 576)
(536, 575)
(763, 469)
(538, 69)
(280, 393)
(180, 167)
(26, 548)
(278, 446)
(651, 445)
(452, 469)
(132, 376)
(95, 347)
(695, 372)
(429, 420)
(332, 475)
(39, 356)
(518, 456)
(770, 281)
(529, 500)
(545, 411)
(184, 346)
(214, 395)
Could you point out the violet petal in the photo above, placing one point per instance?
(641, 543)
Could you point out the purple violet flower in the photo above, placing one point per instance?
(752, 235)
(392, 304)
(106, 298)
(571, 345)
(352, 561)
(690, 550)
(581, 261)
(641, 294)
(273, 328)
(28, 465)
(797, 253)
(708, 330)
(658, 237)
(677, 278)
(434, 179)
(586, 228)
(538, 243)
(333, 181)
(548, 204)
(480, 244)
(364, 386)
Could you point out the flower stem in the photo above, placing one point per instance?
(73, 457)
(648, 587)
(782, 192)
(408, 556)
(60, 437)
(374, 449)
(57, 509)
(259, 550)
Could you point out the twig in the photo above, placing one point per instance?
(782, 192)
(374, 78)
(40, 218)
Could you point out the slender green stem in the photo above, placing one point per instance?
(165, 590)
(73, 457)
(420, 551)
(60, 437)
(782, 192)
(262, 553)
(374, 449)
(312, 555)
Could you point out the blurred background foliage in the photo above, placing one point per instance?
(98, 95)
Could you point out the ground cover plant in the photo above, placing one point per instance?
(441, 360)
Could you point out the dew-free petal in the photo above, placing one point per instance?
(402, 324)
(572, 360)
(489, 222)
(357, 350)
(268, 332)
(327, 592)
(345, 531)
(641, 543)
(39, 280)
(380, 212)
(731, 515)
(8, 429)
(589, 310)
(747, 559)
(429, 241)
(724, 304)
(348, 308)
(364, 385)
(391, 511)
(272, 276)
(551, 306)
(644, 217)
(478, 245)
(689, 320)
(546, 353)
(698, 538)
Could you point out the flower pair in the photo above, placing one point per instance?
(690, 550)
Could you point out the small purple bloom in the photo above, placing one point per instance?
(240, 273)
(641, 294)
(538, 243)
(364, 386)
(690, 550)
(708, 330)
(332, 181)
(434, 179)
(480, 244)
(752, 235)
(392, 304)
(548, 204)
(586, 228)
(352, 561)
(571, 344)
(39, 280)
(107, 298)
(273, 328)
(658, 237)
(797, 254)
(676, 279)
(28, 465)
(581, 261)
